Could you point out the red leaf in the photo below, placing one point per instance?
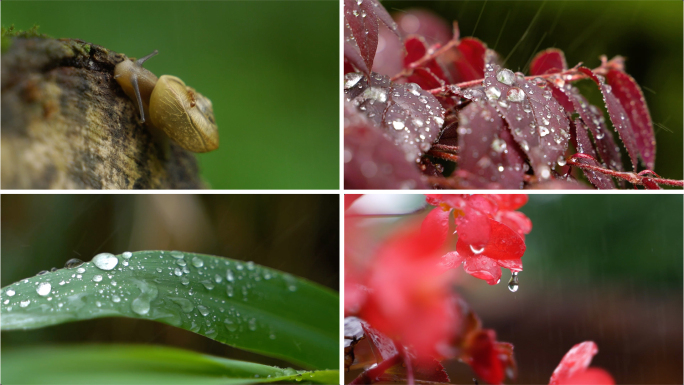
(618, 116)
(489, 158)
(593, 118)
(371, 160)
(472, 61)
(576, 360)
(364, 28)
(584, 146)
(536, 120)
(353, 58)
(428, 76)
(549, 61)
(628, 92)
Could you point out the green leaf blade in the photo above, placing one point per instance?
(138, 364)
(241, 304)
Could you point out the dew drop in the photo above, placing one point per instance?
(80, 270)
(229, 276)
(10, 293)
(543, 131)
(24, 303)
(97, 278)
(177, 254)
(116, 299)
(72, 263)
(229, 290)
(208, 284)
(44, 289)
(513, 283)
(181, 262)
(499, 145)
(230, 325)
(140, 306)
(185, 281)
(105, 261)
(42, 272)
(252, 324)
(203, 310)
(561, 161)
(177, 272)
(505, 76)
(493, 93)
(398, 125)
(185, 304)
(515, 94)
(476, 251)
(351, 79)
(197, 262)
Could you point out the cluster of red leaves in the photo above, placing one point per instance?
(450, 99)
(404, 296)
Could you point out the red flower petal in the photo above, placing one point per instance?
(484, 268)
(502, 241)
(510, 264)
(484, 357)
(516, 220)
(591, 376)
(576, 360)
(436, 225)
(510, 201)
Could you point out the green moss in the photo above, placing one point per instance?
(86, 47)
(9, 32)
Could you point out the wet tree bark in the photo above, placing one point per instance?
(66, 124)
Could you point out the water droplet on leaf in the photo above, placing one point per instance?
(105, 261)
(44, 289)
(197, 262)
(505, 76)
(72, 263)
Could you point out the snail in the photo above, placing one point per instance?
(184, 114)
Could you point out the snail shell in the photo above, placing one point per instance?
(184, 114)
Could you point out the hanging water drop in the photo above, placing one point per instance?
(105, 261)
(72, 263)
(44, 289)
(513, 283)
(561, 161)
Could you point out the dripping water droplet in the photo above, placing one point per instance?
(513, 283)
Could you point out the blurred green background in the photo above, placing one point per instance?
(298, 234)
(606, 268)
(647, 33)
(270, 68)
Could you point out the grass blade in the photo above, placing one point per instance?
(138, 364)
(240, 304)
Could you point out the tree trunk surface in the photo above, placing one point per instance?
(67, 124)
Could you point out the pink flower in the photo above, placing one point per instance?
(574, 368)
(490, 233)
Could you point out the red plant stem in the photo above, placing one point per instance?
(371, 375)
(444, 155)
(636, 179)
(407, 362)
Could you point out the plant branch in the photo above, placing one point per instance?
(644, 178)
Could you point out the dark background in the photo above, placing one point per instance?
(606, 268)
(647, 33)
(298, 234)
(270, 68)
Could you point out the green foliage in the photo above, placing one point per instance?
(241, 304)
(121, 364)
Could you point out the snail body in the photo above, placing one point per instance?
(166, 103)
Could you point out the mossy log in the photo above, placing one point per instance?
(67, 124)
